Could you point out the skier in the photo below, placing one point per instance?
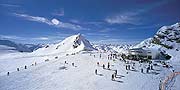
(127, 67)
(103, 66)
(96, 71)
(100, 56)
(72, 64)
(17, 69)
(147, 71)
(142, 70)
(98, 63)
(7, 73)
(151, 67)
(112, 77)
(35, 63)
(25, 67)
(133, 64)
(108, 65)
(110, 58)
(115, 74)
(132, 67)
(65, 62)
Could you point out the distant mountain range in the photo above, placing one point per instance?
(7, 45)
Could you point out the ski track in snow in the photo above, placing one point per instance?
(55, 75)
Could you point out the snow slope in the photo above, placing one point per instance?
(56, 75)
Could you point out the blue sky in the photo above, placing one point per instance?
(100, 21)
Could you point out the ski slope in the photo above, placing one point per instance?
(56, 75)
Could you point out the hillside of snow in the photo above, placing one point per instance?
(55, 74)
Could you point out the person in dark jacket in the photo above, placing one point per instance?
(17, 69)
(25, 67)
(142, 70)
(108, 65)
(7, 73)
(98, 63)
(72, 64)
(96, 71)
(103, 66)
(112, 77)
(115, 73)
(35, 63)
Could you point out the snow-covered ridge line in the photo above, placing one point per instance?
(71, 44)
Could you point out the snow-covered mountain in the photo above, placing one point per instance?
(10, 46)
(167, 37)
(111, 48)
(72, 44)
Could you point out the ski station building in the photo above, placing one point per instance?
(141, 54)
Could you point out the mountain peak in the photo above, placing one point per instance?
(71, 44)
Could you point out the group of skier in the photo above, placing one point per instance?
(150, 67)
(114, 75)
(112, 56)
(18, 69)
(103, 65)
(65, 62)
(128, 67)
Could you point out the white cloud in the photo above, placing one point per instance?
(105, 30)
(11, 37)
(96, 34)
(41, 38)
(54, 22)
(34, 18)
(59, 12)
(9, 5)
(95, 23)
(123, 18)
